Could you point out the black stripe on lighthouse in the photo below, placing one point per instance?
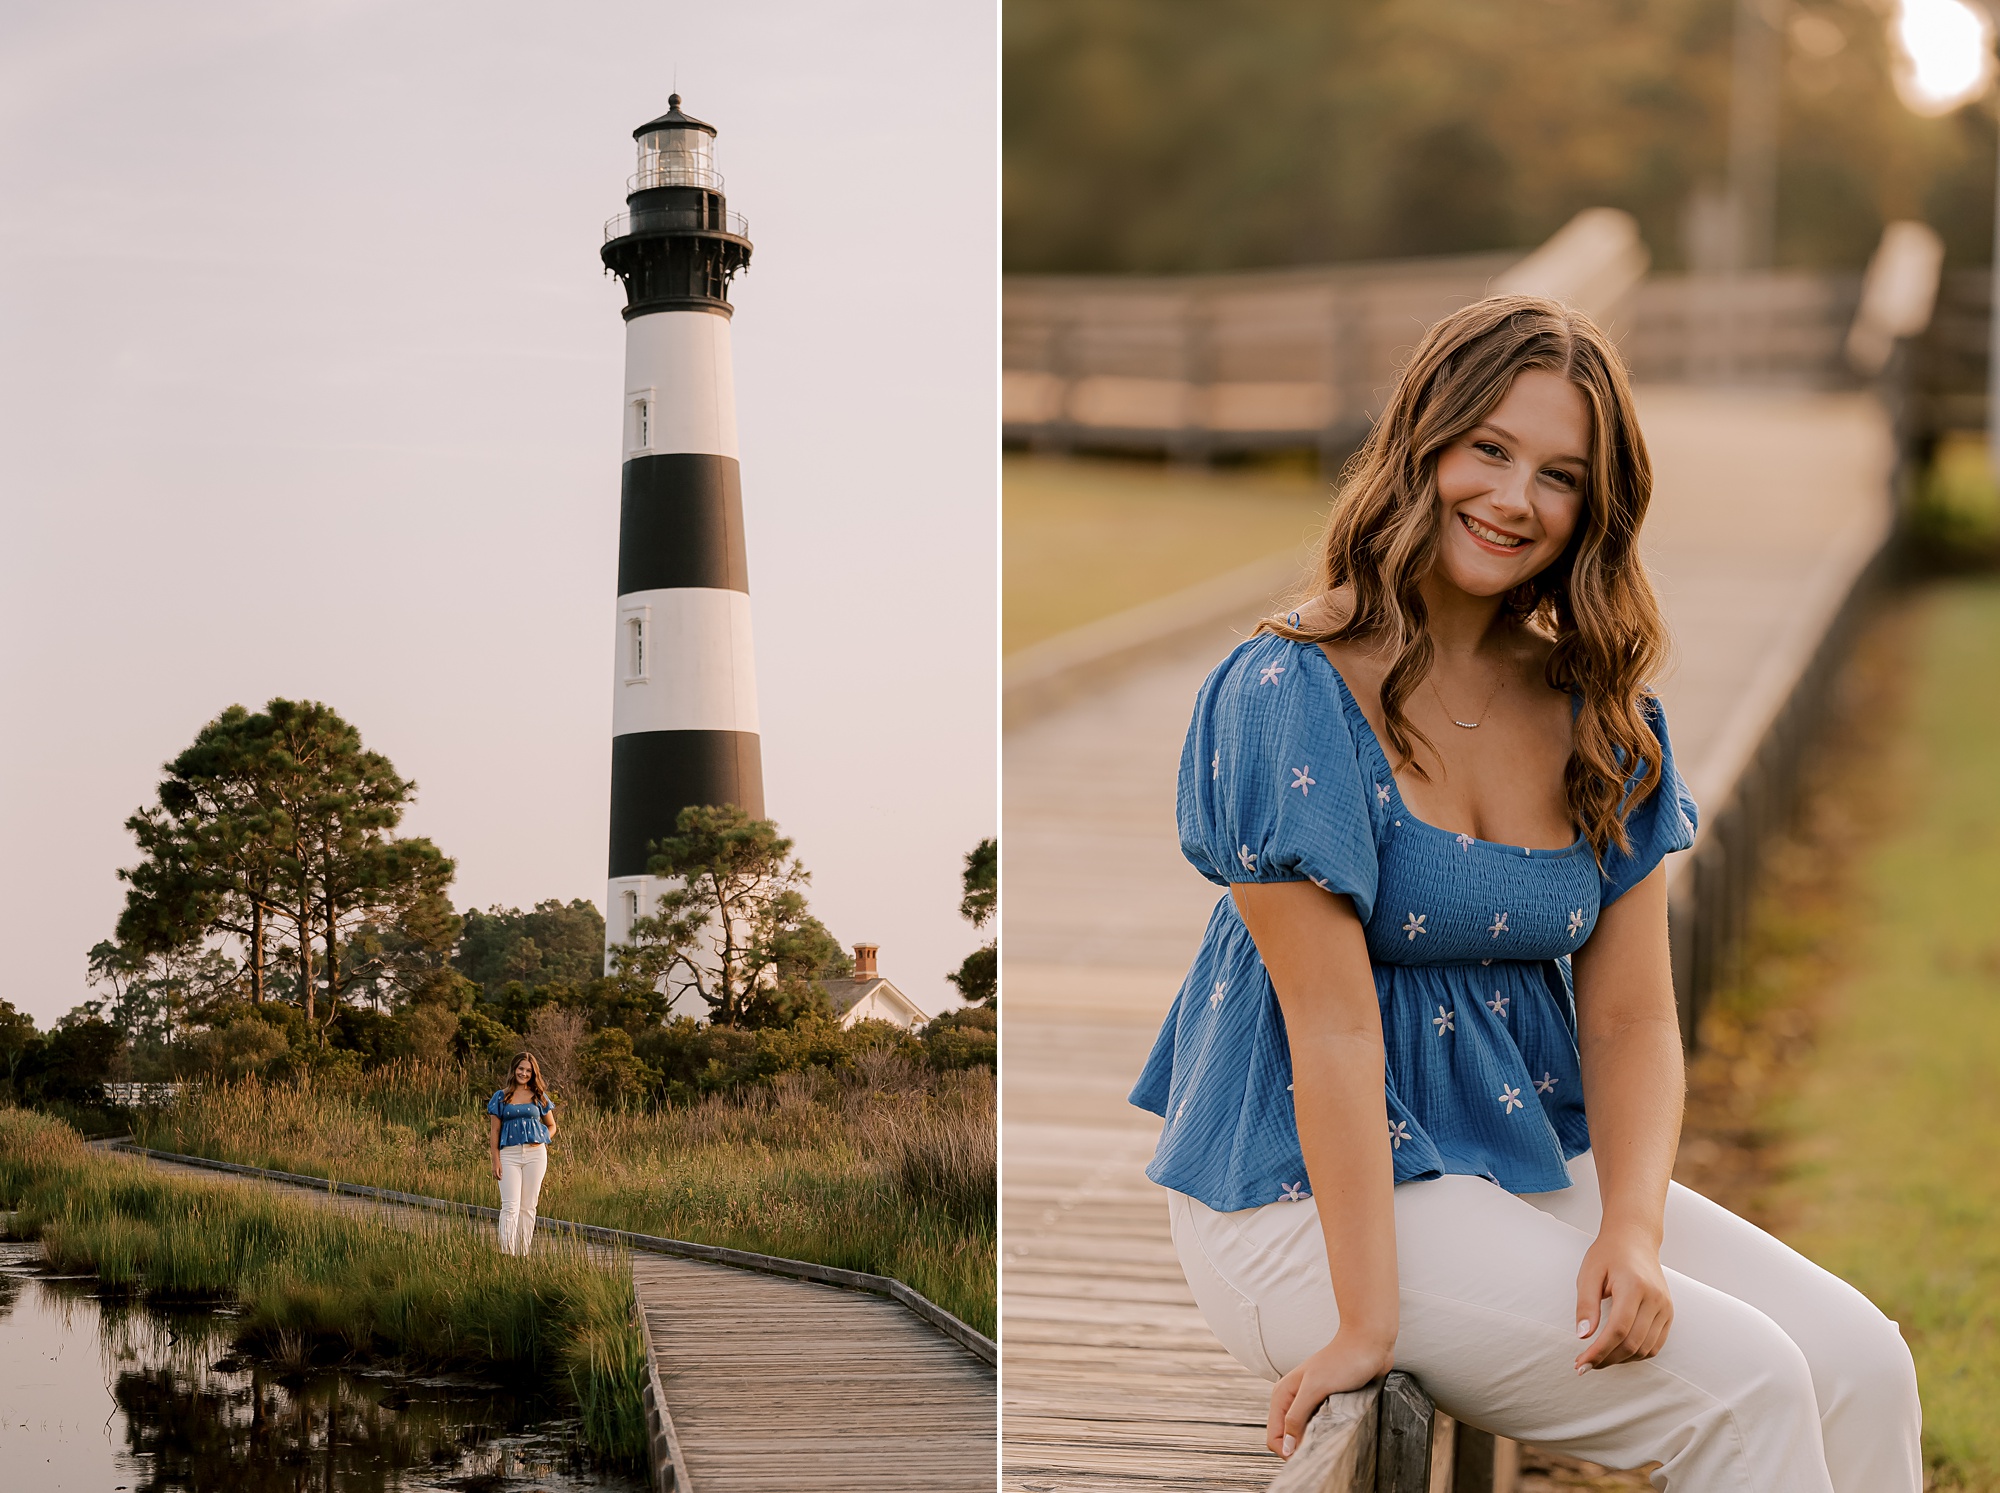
(655, 774)
(680, 523)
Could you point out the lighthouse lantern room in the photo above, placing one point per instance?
(684, 692)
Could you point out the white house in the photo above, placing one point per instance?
(869, 997)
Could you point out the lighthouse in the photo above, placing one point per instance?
(684, 690)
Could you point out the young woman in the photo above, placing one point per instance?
(523, 1121)
(1422, 1087)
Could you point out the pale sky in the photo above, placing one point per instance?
(310, 385)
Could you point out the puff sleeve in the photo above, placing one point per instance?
(1664, 823)
(1271, 788)
(493, 1104)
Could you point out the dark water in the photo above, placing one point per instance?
(104, 1395)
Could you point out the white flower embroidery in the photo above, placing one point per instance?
(1270, 673)
(1464, 841)
(1398, 1133)
(1415, 925)
(1381, 793)
(1302, 782)
(1215, 766)
(1445, 1021)
(1318, 883)
(1249, 861)
(1510, 1100)
(1486, 961)
(1498, 1005)
(1545, 1084)
(1499, 924)
(1575, 921)
(1295, 1192)
(1215, 997)
(1179, 1110)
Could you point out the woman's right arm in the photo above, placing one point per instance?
(493, 1143)
(1317, 955)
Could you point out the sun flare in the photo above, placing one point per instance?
(1944, 53)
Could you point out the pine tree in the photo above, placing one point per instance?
(978, 978)
(279, 826)
(735, 930)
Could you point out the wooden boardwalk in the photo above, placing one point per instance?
(771, 1385)
(1767, 507)
(788, 1385)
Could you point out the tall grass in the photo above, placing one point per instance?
(890, 1171)
(315, 1280)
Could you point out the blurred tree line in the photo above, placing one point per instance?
(1168, 136)
(277, 924)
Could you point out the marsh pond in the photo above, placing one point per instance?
(104, 1394)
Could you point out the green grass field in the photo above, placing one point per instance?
(892, 1173)
(1896, 1118)
(1086, 537)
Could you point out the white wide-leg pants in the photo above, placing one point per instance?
(1776, 1377)
(521, 1172)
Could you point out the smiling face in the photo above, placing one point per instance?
(1511, 488)
(524, 1074)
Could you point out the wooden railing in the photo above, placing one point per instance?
(1389, 1438)
(1200, 366)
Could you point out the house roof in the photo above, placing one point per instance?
(847, 994)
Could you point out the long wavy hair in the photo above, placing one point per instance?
(1594, 601)
(535, 1085)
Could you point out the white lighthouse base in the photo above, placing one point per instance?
(630, 898)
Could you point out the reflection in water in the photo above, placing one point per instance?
(105, 1395)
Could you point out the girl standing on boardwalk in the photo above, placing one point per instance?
(1422, 1087)
(523, 1121)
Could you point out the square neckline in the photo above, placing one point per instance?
(1352, 707)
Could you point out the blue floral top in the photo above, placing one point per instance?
(520, 1124)
(1282, 779)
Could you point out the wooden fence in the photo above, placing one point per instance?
(1201, 366)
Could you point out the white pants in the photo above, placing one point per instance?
(521, 1171)
(1776, 1377)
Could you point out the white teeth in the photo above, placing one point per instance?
(1491, 536)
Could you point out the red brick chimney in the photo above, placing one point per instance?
(864, 961)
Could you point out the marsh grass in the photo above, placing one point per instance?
(891, 1171)
(319, 1282)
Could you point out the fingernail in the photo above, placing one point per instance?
(1291, 1445)
(1582, 1369)
(1583, 1329)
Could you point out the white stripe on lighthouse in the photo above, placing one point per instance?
(685, 662)
(679, 360)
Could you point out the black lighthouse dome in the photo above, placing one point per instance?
(677, 245)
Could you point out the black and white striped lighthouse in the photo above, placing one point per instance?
(684, 713)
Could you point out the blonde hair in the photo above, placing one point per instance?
(1594, 601)
(535, 1084)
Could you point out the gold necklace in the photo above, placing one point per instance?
(1491, 696)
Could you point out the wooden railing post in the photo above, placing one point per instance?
(1389, 1438)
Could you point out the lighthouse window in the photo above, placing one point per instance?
(635, 629)
(631, 909)
(643, 423)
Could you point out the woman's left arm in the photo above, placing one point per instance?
(1633, 1086)
(549, 1121)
